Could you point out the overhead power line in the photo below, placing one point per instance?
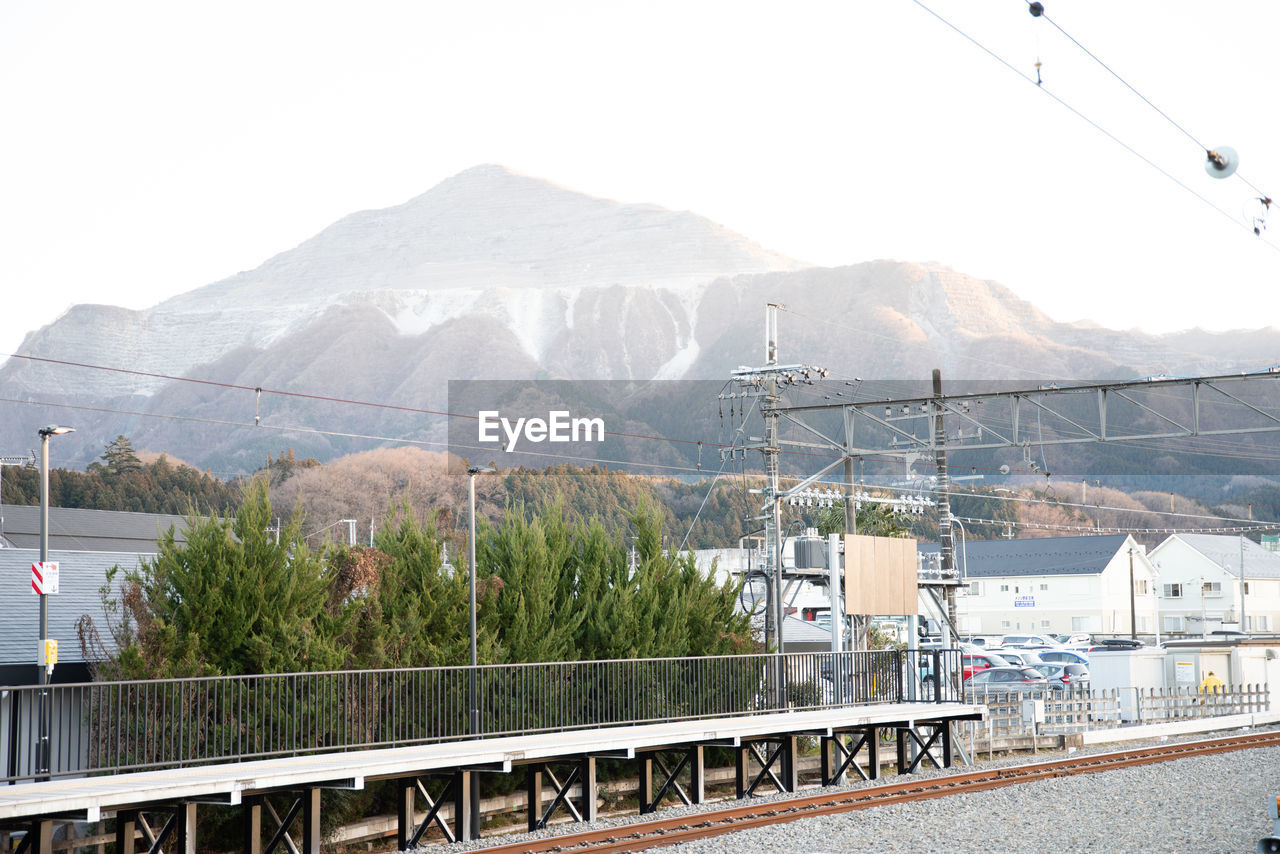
(1240, 529)
(1095, 125)
(1188, 134)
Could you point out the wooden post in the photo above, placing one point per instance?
(533, 789)
(697, 789)
(404, 813)
(251, 842)
(310, 822)
(184, 819)
(126, 828)
(463, 807)
(587, 784)
(646, 783)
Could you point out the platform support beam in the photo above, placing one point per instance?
(690, 758)
(582, 772)
(777, 764)
(305, 803)
(176, 836)
(457, 791)
(39, 838)
(940, 737)
(838, 756)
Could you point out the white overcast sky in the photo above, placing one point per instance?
(149, 148)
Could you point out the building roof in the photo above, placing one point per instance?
(1224, 550)
(87, 530)
(1038, 556)
(795, 630)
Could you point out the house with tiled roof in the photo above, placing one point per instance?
(1058, 585)
(1205, 580)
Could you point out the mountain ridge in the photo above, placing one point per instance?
(495, 275)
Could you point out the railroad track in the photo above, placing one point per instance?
(641, 836)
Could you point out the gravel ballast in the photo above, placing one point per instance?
(1213, 803)
(1205, 804)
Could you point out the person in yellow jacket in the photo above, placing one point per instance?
(1211, 684)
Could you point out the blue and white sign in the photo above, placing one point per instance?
(1024, 601)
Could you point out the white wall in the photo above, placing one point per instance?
(1126, 670)
(1064, 603)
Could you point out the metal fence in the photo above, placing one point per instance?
(1186, 702)
(107, 727)
(1007, 724)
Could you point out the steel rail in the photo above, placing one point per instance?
(640, 836)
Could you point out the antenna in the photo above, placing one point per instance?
(13, 461)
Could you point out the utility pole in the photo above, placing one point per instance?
(767, 384)
(773, 530)
(1242, 583)
(1133, 600)
(946, 546)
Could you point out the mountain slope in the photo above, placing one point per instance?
(496, 275)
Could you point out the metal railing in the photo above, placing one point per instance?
(111, 727)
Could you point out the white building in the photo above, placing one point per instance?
(1059, 585)
(1200, 588)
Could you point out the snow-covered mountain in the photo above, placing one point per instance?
(496, 275)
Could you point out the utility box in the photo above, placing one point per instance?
(1033, 711)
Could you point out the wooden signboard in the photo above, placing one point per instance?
(880, 575)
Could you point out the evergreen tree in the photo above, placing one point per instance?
(872, 519)
(120, 457)
(528, 607)
(406, 610)
(235, 598)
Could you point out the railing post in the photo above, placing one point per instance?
(937, 675)
(899, 669)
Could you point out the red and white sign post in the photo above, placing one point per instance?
(44, 577)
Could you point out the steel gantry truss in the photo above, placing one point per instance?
(1186, 407)
(911, 428)
(1142, 410)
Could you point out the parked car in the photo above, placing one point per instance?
(1029, 641)
(1019, 657)
(1062, 677)
(997, 680)
(1112, 644)
(1064, 656)
(1072, 640)
(975, 661)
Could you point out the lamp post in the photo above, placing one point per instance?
(472, 471)
(42, 669)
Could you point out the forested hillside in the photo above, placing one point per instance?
(121, 481)
(371, 486)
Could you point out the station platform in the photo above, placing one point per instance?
(765, 745)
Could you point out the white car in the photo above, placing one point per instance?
(1029, 640)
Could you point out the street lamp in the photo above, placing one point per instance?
(42, 752)
(472, 471)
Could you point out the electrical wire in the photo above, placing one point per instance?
(303, 395)
(291, 428)
(730, 446)
(1063, 103)
(1117, 530)
(1200, 145)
